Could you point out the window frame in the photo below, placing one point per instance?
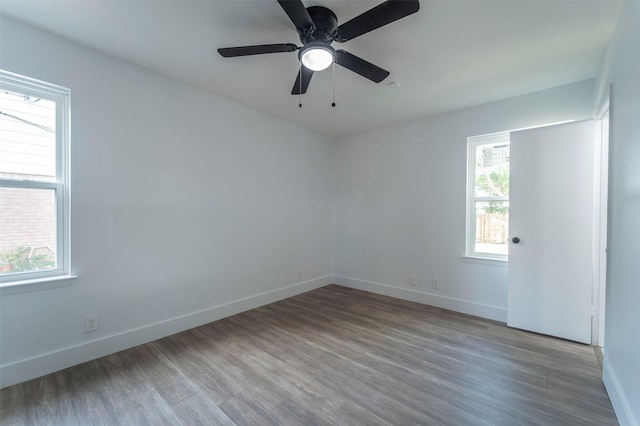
(61, 96)
(472, 144)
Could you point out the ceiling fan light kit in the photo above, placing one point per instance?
(317, 56)
(318, 27)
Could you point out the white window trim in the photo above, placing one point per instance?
(61, 96)
(472, 143)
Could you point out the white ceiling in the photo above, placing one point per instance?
(450, 55)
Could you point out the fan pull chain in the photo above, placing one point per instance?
(333, 101)
(300, 77)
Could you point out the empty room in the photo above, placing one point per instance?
(296, 212)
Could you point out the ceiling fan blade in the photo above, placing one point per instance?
(360, 66)
(383, 14)
(230, 52)
(297, 13)
(306, 79)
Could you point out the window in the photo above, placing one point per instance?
(488, 196)
(34, 177)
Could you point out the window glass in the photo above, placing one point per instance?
(34, 214)
(492, 170)
(27, 137)
(492, 227)
(488, 196)
(28, 229)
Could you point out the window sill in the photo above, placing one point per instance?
(485, 260)
(38, 284)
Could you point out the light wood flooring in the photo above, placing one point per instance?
(329, 356)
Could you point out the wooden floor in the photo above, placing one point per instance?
(330, 356)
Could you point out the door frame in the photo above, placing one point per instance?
(600, 210)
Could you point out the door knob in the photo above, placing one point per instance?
(515, 240)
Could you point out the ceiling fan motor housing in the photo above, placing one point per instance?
(325, 22)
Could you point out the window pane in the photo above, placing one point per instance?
(492, 170)
(28, 229)
(27, 137)
(492, 227)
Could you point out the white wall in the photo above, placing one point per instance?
(401, 194)
(185, 208)
(621, 68)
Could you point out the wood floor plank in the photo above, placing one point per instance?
(92, 389)
(353, 414)
(246, 365)
(273, 379)
(13, 405)
(295, 413)
(584, 398)
(331, 356)
(148, 365)
(198, 410)
(497, 414)
(205, 369)
(243, 410)
(127, 399)
(62, 399)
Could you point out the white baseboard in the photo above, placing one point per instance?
(40, 365)
(459, 305)
(618, 399)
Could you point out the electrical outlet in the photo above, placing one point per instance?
(435, 283)
(413, 280)
(90, 323)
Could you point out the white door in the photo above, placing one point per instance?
(551, 230)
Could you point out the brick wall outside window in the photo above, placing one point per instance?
(27, 219)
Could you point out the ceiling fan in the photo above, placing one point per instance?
(318, 27)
